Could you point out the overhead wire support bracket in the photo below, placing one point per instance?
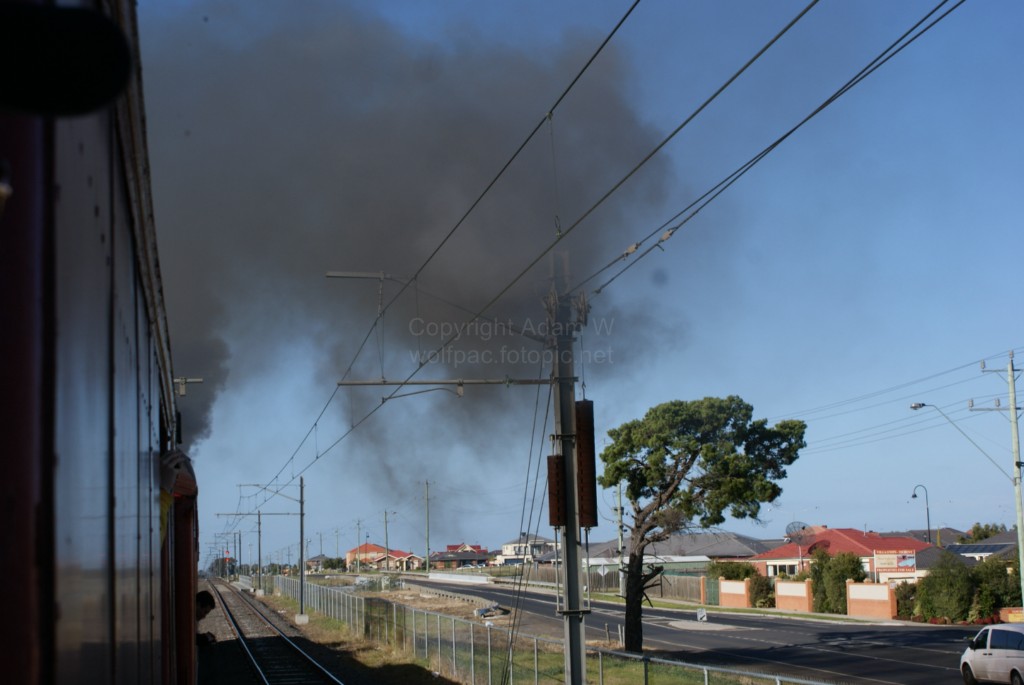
(457, 382)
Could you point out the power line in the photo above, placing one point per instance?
(481, 312)
(670, 227)
(451, 232)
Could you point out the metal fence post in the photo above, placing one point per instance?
(536, 664)
(455, 660)
(472, 655)
(489, 655)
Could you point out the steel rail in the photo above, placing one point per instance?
(244, 642)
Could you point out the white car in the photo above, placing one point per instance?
(995, 655)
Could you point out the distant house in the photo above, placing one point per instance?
(460, 556)
(940, 537)
(316, 563)
(883, 557)
(525, 549)
(363, 555)
(716, 545)
(1003, 545)
(397, 560)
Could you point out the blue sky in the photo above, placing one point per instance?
(868, 262)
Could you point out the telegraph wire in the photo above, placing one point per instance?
(667, 229)
(559, 237)
(501, 172)
(712, 194)
(480, 313)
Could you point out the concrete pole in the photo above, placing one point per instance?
(622, 576)
(1015, 444)
(387, 547)
(259, 552)
(302, 545)
(563, 373)
(426, 501)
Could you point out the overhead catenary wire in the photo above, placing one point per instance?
(633, 249)
(670, 227)
(526, 516)
(501, 172)
(562, 234)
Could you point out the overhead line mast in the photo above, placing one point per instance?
(569, 504)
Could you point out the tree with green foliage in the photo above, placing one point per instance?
(841, 567)
(828, 579)
(819, 562)
(996, 583)
(906, 599)
(982, 531)
(947, 591)
(334, 564)
(731, 570)
(685, 465)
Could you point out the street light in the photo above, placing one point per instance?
(927, 510)
(1015, 479)
(919, 405)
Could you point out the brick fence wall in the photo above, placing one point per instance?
(794, 595)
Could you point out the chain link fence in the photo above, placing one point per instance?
(477, 653)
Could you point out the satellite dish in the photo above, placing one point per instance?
(797, 531)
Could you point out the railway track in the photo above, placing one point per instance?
(275, 658)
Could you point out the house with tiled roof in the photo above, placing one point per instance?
(884, 557)
(397, 560)
(940, 537)
(363, 555)
(461, 555)
(316, 563)
(716, 545)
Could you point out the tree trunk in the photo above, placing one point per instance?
(634, 627)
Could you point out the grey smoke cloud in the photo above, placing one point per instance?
(285, 144)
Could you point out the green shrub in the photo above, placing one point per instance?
(906, 596)
(732, 570)
(947, 591)
(762, 592)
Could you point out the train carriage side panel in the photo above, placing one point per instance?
(86, 357)
(83, 472)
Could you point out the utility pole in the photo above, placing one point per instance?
(387, 547)
(1011, 376)
(560, 339)
(426, 502)
(622, 575)
(302, 618)
(359, 523)
(563, 376)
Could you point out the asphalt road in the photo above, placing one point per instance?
(830, 651)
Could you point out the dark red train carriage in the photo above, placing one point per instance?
(100, 587)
